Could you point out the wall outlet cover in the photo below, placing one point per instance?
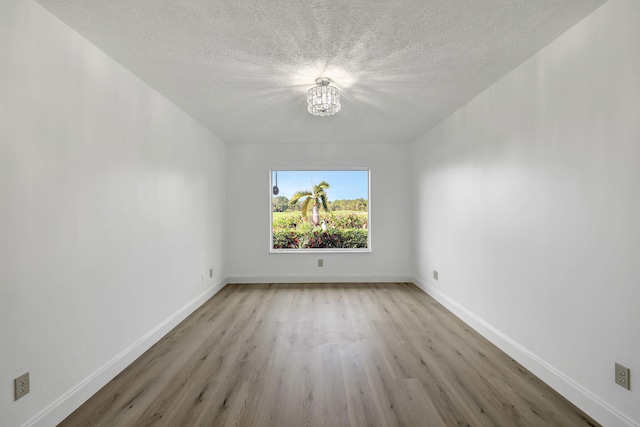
(622, 376)
(21, 385)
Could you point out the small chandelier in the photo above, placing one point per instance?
(323, 100)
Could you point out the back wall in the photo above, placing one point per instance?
(248, 207)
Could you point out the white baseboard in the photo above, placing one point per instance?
(293, 278)
(71, 400)
(576, 394)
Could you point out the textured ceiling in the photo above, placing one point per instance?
(242, 67)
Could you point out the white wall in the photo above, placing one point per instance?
(111, 208)
(529, 208)
(248, 207)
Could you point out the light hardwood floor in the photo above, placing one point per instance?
(289, 355)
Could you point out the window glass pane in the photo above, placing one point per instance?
(320, 210)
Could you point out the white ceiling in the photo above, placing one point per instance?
(242, 67)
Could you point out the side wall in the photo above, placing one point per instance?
(529, 209)
(248, 204)
(112, 208)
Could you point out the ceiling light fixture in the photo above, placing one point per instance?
(323, 100)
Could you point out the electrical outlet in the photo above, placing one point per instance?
(622, 376)
(210, 273)
(320, 262)
(21, 385)
(435, 275)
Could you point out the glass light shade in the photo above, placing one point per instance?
(323, 100)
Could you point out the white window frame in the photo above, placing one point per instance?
(319, 250)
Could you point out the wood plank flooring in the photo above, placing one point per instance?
(374, 354)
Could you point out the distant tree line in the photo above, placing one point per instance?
(281, 204)
(350, 205)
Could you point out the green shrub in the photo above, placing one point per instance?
(287, 222)
(352, 238)
(346, 221)
(339, 221)
(285, 239)
(307, 237)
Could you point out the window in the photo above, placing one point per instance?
(320, 211)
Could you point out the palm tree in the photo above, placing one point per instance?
(317, 196)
